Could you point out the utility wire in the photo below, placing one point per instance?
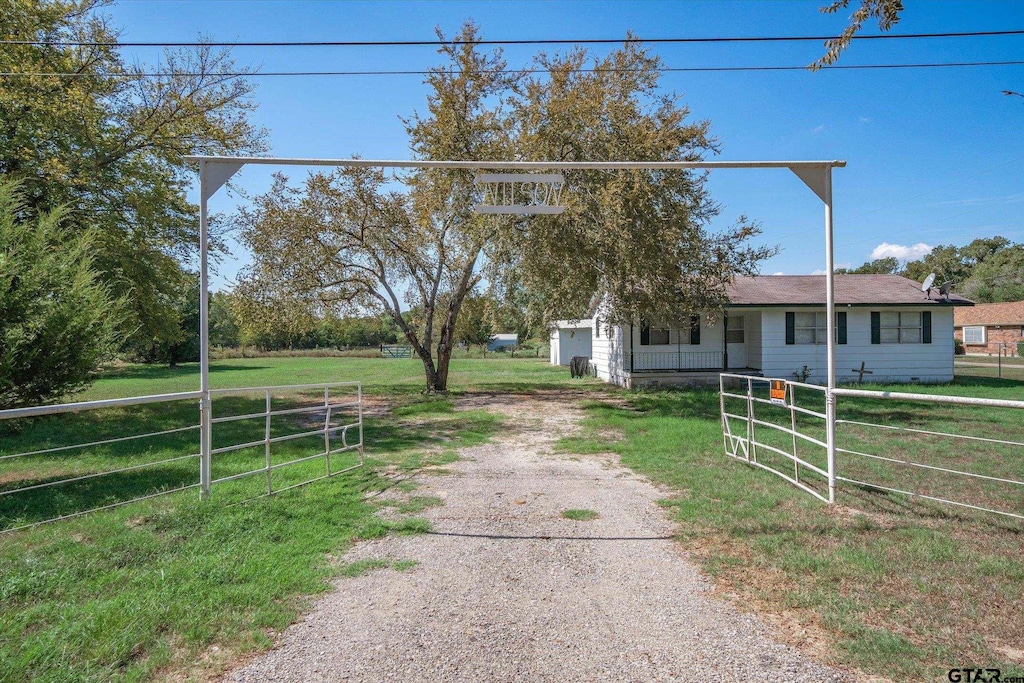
(255, 74)
(552, 41)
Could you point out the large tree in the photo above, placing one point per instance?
(57, 321)
(361, 238)
(83, 129)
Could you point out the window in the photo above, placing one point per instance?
(974, 335)
(653, 336)
(809, 328)
(900, 327)
(734, 329)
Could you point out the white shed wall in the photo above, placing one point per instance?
(568, 340)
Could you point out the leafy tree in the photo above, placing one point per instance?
(987, 269)
(997, 278)
(365, 330)
(57, 321)
(639, 239)
(224, 330)
(351, 240)
(180, 345)
(887, 12)
(83, 129)
(474, 326)
(889, 265)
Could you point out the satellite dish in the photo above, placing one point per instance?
(944, 289)
(927, 284)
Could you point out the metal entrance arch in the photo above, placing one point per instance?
(214, 171)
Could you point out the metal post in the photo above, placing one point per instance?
(327, 428)
(830, 336)
(205, 407)
(359, 400)
(792, 421)
(266, 442)
(751, 448)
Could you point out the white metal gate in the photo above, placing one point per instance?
(153, 448)
(764, 432)
(885, 452)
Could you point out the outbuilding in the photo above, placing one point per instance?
(887, 330)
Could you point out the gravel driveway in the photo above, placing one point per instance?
(507, 589)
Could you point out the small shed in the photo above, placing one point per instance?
(503, 341)
(570, 339)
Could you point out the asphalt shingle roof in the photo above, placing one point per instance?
(852, 290)
(1008, 313)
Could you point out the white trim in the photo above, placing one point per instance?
(984, 335)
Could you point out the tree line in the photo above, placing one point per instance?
(986, 270)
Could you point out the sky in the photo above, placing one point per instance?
(934, 154)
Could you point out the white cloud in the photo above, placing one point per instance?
(818, 129)
(778, 273)
(819, 271)
(903, 253)
(864, 119)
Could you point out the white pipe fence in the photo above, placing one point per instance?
(744, 433)
(24, 475)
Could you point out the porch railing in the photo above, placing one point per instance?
(677, 360)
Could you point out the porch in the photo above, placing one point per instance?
(730, 342)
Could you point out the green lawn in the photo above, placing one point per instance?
(384, 376)
(899, 587)
(902, 588)
(172, 585)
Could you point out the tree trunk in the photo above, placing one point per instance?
(444, 359)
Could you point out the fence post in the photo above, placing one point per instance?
(205, 406)
(751, 448)
(327, 428)
(359, 400)
(266, 443)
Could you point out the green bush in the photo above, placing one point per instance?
(57, 322)
(958, 347)
(1020, 348)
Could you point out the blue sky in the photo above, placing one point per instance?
(935, 155)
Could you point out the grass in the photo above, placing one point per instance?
(899, 587)
(174, 586)
(580, 515)
(380, 376)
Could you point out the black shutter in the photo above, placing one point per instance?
(841, 327)
(695, 329)
(926, 327)
(645, 335)
(791, 328)
(876, 327)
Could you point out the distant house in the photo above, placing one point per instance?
(775, 326)
(503, 341)
(987, 328)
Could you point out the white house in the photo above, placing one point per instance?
(774, 326)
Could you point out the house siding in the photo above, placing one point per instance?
(767, 351)
(887, 362)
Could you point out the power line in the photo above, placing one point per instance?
(256, 74)
(525, 41)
